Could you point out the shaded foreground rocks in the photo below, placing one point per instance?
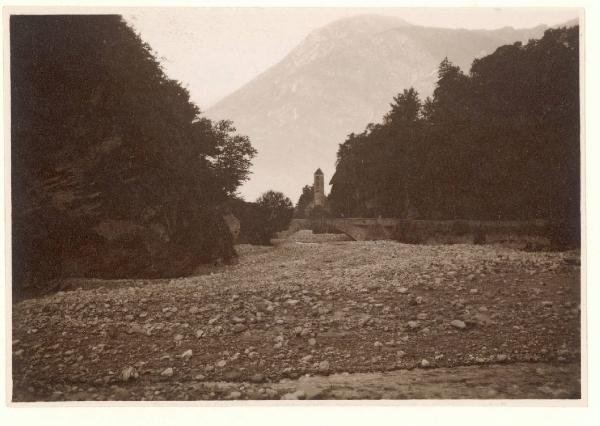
(288, 321)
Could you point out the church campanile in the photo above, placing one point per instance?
(319, 189)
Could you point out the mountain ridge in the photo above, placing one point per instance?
(338, 79)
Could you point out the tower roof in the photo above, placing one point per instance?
(318, 172)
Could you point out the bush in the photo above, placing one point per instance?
(259, 221)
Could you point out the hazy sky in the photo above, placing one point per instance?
(214, 51)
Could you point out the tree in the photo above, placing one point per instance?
(233, 157)
(304, 201)
(278, 208)
(501, 143)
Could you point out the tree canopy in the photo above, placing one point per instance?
(501, 143)
(101, 135)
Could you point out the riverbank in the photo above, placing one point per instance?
(310, 308)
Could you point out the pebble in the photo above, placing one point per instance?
(128, 373)
(167, 372)
(238, 328)
(458, 324)
(257, 378)
(413, 324)
(299, 394)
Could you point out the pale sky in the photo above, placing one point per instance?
(214, 51)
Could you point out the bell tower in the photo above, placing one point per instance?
(319, 189)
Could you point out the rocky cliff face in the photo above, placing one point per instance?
(340, 78)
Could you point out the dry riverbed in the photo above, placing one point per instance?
(314, 318)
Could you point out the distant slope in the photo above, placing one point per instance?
(340, 78)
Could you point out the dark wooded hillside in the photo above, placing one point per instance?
(501, 143)
(114, 171)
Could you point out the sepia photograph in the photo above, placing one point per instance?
(299, 204)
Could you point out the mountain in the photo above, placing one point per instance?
(340, 78)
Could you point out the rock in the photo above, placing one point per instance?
(402, 290)
(235, 395)
(299, 394)
(324, 366)
(199, 333)
(167, 372)
(312, 341)
(425, 363)
(238, 328)
(413, 324)
(547, 303)
(311, 391)
(120, 393)
(378, 344)
(222, 363)
(257, 378)
(232, 375)
(178, 337)
(194, 310)
(128, 373)
(501, 357)
(473, 291)
(199, 377)
(458, 324)
(135, 328)
(187, 354)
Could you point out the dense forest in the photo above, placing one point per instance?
(115, 172)
(501, 143)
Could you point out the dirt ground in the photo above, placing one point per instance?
(314, 318)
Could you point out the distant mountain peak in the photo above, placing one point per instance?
(337, 80)
(366, 22)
